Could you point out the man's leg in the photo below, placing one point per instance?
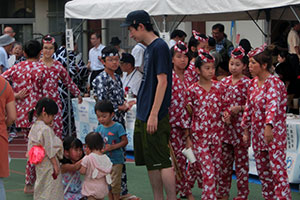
(156, 184)
(168, 179)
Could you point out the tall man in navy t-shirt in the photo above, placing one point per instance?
(152, 128)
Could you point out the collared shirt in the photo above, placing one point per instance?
(293, 41)
(225, 44)
(132, 80)
(94, 53)
(3, 59)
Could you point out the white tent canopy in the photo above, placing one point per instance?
(192, 10)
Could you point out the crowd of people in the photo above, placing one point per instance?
(204, 95)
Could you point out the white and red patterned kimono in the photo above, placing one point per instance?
(207, 132)
(233, 147)
(190, 74)
(178, 125)
(266, 105)
(50, 89)
(27, 75)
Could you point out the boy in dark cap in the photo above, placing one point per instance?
(131, 78)
(152, 128)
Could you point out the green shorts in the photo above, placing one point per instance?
(152, 150)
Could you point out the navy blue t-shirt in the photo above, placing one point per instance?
(157, 60)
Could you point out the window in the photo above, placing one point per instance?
(17, 9)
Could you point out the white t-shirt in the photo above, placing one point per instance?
(133, 80)
(94, 53)
(138, 54)
(172, 43)
(293, 40)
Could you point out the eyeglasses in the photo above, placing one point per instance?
(112, 59)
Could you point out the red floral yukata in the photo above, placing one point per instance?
(29, 75)
(52, 76)
(178, 124)
(207, 132)
(190, 74)
(233, 147)
(267, 105)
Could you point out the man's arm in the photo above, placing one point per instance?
(158, 99)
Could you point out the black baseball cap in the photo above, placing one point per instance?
(127, 58)
(136, 17)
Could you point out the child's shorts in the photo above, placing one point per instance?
(116, 176)
(152, 150)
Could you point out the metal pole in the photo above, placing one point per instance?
(69, 95)
(294, 12)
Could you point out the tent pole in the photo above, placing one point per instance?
(69, 95)
(294, 12)
(256, 24)
(155, 23)
(164, 23)
(179, 22)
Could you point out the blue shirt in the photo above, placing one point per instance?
(157, 60)
(112, 135)
(106, 88)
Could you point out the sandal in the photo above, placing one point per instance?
(129, 197)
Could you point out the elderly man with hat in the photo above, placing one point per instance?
(115, 41)
(6, 43)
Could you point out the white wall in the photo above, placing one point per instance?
(41, 24)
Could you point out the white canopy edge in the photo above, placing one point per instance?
(194, 10)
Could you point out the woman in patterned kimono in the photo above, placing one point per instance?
(56, 73)
(233, 147)
(48, 183)
(180, 61)
(205, 106)
(27, 83)
(265, 119)
(79, 74)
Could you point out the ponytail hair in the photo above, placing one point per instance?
(265, 57)
(45, 104)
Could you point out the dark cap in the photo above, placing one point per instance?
(115, 41)
(136, 17)
(127, 58)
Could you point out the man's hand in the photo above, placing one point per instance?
(152, 124)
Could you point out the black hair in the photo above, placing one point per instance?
(183, 48)
(283, 54)
(211, 42)
(180, 46)
(156, 33)
(49, 38)
(45, 104)
(294, 23)
(148, 26)
(219, 26)
(98, 35)
(104, 106)
(69, 143)
(17, 43)
(32, 48)
(109, 49)
(245, 59)
(246, 45)
(193, 43)
(265, 57)
(94, 141)
(199, 62)
(224, 65)
(177, 33)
